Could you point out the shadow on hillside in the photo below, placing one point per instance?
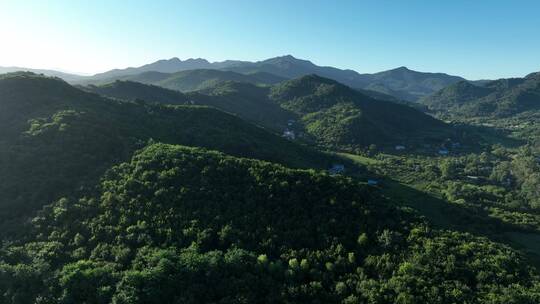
(474, 220)
(465, 139)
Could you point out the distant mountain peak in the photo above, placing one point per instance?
(287, 59)
(198, 60)
(289, 56)
(401, 69)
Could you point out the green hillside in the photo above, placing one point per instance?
(338, 116)
(129, 90)
(407, 84)
(499, 99)
(200, 79)
(192, 80)
(56, 139)
(246, 100)
(257, 233)
(321, 110)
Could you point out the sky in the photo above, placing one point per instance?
(478, 39)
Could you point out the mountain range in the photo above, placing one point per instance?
(106, 200)
(130, 192)
(401, 83)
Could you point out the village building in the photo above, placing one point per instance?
(289, 134)
(443, 152)
(336, 169)
(372, 182)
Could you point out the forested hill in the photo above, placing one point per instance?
(499, 98)
(407, 84)
(200, 79)
(248, 101)
(185, 225)
(56, 139)
(130, 90)
(191, 80)
(338, 116)
(317, 109)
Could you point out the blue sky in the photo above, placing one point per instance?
(474, 39)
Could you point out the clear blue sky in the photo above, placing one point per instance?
(474, 39)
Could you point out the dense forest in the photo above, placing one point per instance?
(184, 225)
(498, 98)
(55, 138)
(284, 191)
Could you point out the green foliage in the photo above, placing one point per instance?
(499, 98)
(190, 80)
(135, 219)
(194, 80)
(185, 225)
(324, 111)
(129, 90)
(56, 140)
(338, 117)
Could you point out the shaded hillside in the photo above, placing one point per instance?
(55, 139)
(192, 80)
(407, 84)
(499, 98)
(200, 79)
(455, 96)
(172, 65)
(248, 101)
(129, 90)
(185, 225)
(379, 95)
(316, 109)
(338, 116)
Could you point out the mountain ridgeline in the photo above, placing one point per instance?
(401, 83)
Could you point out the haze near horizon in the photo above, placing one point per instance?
(480, 40)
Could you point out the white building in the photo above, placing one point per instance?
(443, 152)
(289, 134)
